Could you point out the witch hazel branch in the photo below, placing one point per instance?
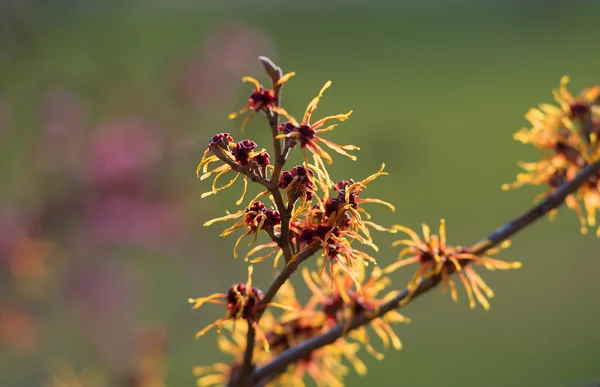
(323, 230)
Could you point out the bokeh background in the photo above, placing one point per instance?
(106, 108)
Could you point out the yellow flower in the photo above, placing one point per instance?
(233, 344)
(325, 367)
(239, 156)
(435, 257)
(308, 134)
(64, 375)
(241, 301)
(344, 303)
(335, 222)
(260, 99)
(568, 136)
(253, 219)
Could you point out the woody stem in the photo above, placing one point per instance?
(280, 363)
(283, 241)
(284, 275)
(239, 378)
(247, 365)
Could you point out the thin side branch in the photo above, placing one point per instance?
(241, 169)
(247, 365)
(275, 74)
(284, 275)
(281, 362)
(286, 214)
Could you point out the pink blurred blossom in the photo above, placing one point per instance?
(116, 219)
(129, 152)
(102, 297)
(230, 51)
(122, 150)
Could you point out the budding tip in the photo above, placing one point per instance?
(505, 187)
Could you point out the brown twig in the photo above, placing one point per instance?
(275, 73)
(286, 213)
(244, 170)
(281, 362)
(285, 274)
(247, 365)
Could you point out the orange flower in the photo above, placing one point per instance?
(260, 99)
(435, 257)
(151, 359)
(18, 329)
(28, 264)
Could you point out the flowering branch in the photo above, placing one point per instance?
(279, 281)
(280, 363)
(275, 73)
(313, 215)
(245, 170)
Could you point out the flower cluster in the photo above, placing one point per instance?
(568, 137)
(240, 157)
(242, 301)
(312, 215)
(436, 258)
(334, 222)
(253, 219)
(297, 184)
(300, 322)
(261, 99)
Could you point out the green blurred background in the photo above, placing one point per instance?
(437, 91)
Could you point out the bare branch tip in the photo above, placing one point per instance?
(271, 68)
